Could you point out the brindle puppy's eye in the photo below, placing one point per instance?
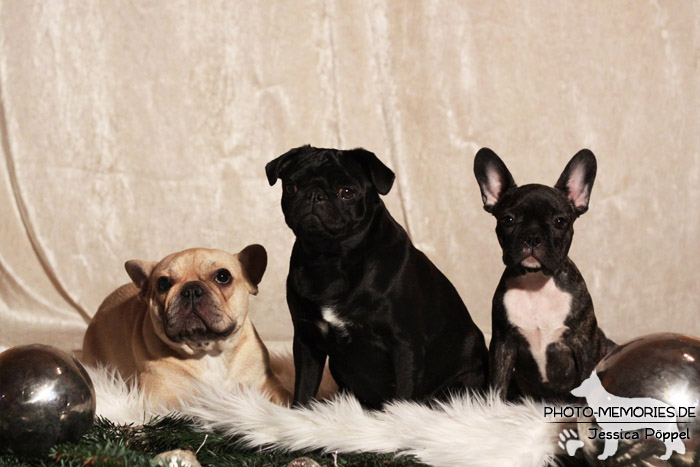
(223, 277)
(163, 284)
(346, 193)
(291, 189)
(560, 222)
(507, 221)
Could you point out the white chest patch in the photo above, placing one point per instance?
(331, 319)
(214, 368)
(538, 309)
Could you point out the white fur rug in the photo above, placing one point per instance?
(466, 431)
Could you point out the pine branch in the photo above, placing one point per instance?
(108, 444)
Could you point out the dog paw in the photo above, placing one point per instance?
(569, 441)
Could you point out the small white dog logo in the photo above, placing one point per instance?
(605, 405)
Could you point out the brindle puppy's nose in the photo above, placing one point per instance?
(533, 240)
(191, 291)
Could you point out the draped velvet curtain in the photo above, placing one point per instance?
(135, 129)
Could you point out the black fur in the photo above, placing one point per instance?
(536, 221)
(406, 332)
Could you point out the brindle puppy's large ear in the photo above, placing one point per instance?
(275, 166)
(577, 179)
(493, 177)
(253, 259)
(139, 272)
(382, 176)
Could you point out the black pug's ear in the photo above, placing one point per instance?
(253, 259)
(382, 176)
(577, 179)
(275, 166)
(139, 272)
(493, 177)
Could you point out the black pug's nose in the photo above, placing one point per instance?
(191, 291)
(533, 240)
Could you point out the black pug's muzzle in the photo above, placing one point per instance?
(194, 315)
(311, 213)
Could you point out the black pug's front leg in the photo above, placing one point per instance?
(308, 349)
(309, 361)
(407, 371)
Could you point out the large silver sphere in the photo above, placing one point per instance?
(662, 366)
(46, 397)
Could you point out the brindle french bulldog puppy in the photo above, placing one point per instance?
(546, 338)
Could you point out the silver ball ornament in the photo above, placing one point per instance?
(665, 367)
(46, 398)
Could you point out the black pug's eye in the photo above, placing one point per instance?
(560, 222)
(507, 221)
(223, 277)
(346, 193)
(291, 189)
(163, 284)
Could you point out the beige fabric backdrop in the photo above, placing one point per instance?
(134, 129)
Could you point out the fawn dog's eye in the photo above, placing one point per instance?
(163, 284)
(223, 277)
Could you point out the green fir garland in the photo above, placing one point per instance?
(107, 444)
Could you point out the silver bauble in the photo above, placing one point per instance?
(46, 397)
(662, 366)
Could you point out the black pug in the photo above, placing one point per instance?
(359, 292)
(546, 338)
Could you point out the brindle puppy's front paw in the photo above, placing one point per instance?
(561, 366)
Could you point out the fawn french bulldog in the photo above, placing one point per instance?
(184, 319)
